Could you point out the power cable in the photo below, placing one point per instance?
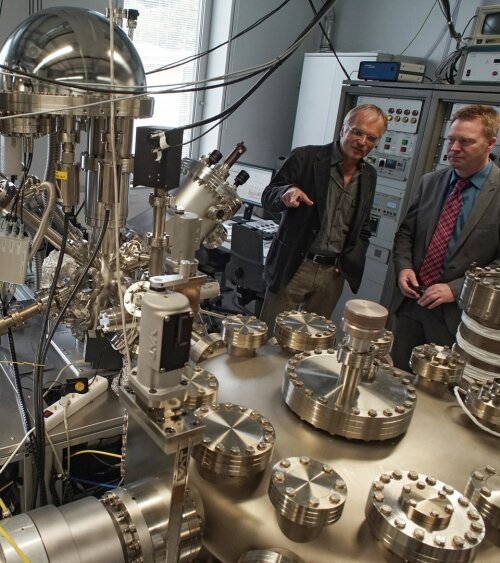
(287, 54)
(332, 49)
(38, 373)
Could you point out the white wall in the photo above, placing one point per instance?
(390, 25)
(265, 121)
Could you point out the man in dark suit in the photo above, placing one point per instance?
(453, 221)
(325, 194)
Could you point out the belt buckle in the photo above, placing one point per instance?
(315, 261)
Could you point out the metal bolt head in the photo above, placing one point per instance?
(463, 501)
(489, 468)
(478, 475)
(413, 475)
(304, 460)
(449, 509)
(250, 450)
(400, 523)
(313, 502)
(419, 534)
(327, 468)
(473, 514)
(378, 496)
(397, 474)
(285, 463)
(406, 489)
(206, 440)
(485, 491)
(440, 541)
(386, 510)
(476, 527)
(458, 541)
(430, 481)
(334, 498)
(340, 485)
(470, 537)
(235, 450)
(385, 478)
(378, 486)
(290, 491)
(372, 412)
(420, 485)
(278, 476)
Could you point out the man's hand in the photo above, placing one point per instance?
(294, 196)
(408, 283)
(436, 295)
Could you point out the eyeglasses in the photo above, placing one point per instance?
(359, 134)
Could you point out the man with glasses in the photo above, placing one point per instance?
(325, 195)
(453, 221)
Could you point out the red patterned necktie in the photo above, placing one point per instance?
(434, 257)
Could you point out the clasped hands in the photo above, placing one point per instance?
(432, 297)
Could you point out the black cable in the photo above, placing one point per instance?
(38, 374)
(38, 377)
(291, 49)
(332, 49)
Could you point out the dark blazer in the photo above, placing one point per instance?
(309, 169)
(478, 242)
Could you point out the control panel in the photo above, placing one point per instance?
(481, 66)
(402, 114)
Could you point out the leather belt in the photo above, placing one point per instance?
(323, 260)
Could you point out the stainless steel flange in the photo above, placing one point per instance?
(204, 346)
(480, 295)
(308, 495)
(483, 400)
(277, 555)
(202, 387)
(483, 489)
(423, 520)
(381, 408)
(243, 334)
(298, 331)
(437, 364)
(237, 443)
(383, 344)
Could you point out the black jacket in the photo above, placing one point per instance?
(309, 168)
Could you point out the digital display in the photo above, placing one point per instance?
(251, 191)
(392, 204)
(491, 24)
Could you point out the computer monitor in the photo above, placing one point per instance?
(251, 191)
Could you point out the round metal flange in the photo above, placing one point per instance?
(204, 346)
(273, 555)
(437, 363)
(483, 401)
(202, 387)
(132, 297)
(243, 334)
(483, 489)
(383, 344)
(480, 295)
(237, 443)
(308, 495)
(192, 525)
(298, 331)
(423, 520)
(382, 407)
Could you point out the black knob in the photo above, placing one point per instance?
(241, 178)
(214, 157)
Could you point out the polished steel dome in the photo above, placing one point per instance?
(70, 46)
